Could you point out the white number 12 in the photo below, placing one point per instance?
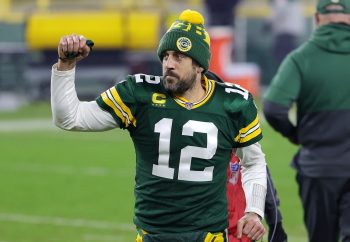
(162, 169)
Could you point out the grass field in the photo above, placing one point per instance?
(58, 186)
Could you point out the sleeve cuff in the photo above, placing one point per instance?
(256, 203)
(62, 73)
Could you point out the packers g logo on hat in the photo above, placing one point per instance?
(184, 44)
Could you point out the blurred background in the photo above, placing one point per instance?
(54, 186)
(126, 33)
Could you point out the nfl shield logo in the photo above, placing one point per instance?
(189, 106)
(234, 168)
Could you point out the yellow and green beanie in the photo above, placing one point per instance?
(188, 36)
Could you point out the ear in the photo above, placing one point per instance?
(200, 69)
(317, 18)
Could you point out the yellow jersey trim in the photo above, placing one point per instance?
(250, 136)
(122, 105)
(209, 89)
(113, 100)
(249, 132)
(217, 237)
(107, 101)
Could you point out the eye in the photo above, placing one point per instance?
(165, 56)
(179, 56)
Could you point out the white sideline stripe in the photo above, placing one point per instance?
(57, 169)
(59, 221)
(44, 124)
(27, 125)
(62, 170)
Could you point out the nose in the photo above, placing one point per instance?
(169, 62)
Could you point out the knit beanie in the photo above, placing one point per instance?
(188, 36)
(333, 6)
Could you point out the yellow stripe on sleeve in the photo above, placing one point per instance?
(115, 109)
(246, 129)
(251, 125)
(250, 136)
(122, 105)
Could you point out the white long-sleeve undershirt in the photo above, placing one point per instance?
(71, 114)
(254, 177)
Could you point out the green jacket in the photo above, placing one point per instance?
(316, 76)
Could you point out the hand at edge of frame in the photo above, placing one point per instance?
(250, 224)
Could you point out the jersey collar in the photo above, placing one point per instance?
(209, 86)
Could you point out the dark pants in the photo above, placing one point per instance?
(326, 203)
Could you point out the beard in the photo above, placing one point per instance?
(176, 85)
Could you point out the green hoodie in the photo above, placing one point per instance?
(316, 76)
(333, 37)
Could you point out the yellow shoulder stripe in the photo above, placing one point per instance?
(115, 109)
(250, 136)
(251, 125)
(122, 105)
(249, 132)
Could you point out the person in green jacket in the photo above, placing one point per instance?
(316, 77)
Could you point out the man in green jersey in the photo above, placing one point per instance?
(316, 76)
(184, 127)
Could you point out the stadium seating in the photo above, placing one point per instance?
(135, 30)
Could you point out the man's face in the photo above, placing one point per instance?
(179, 72)
(322, 19)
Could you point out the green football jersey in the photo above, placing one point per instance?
(182, 150)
